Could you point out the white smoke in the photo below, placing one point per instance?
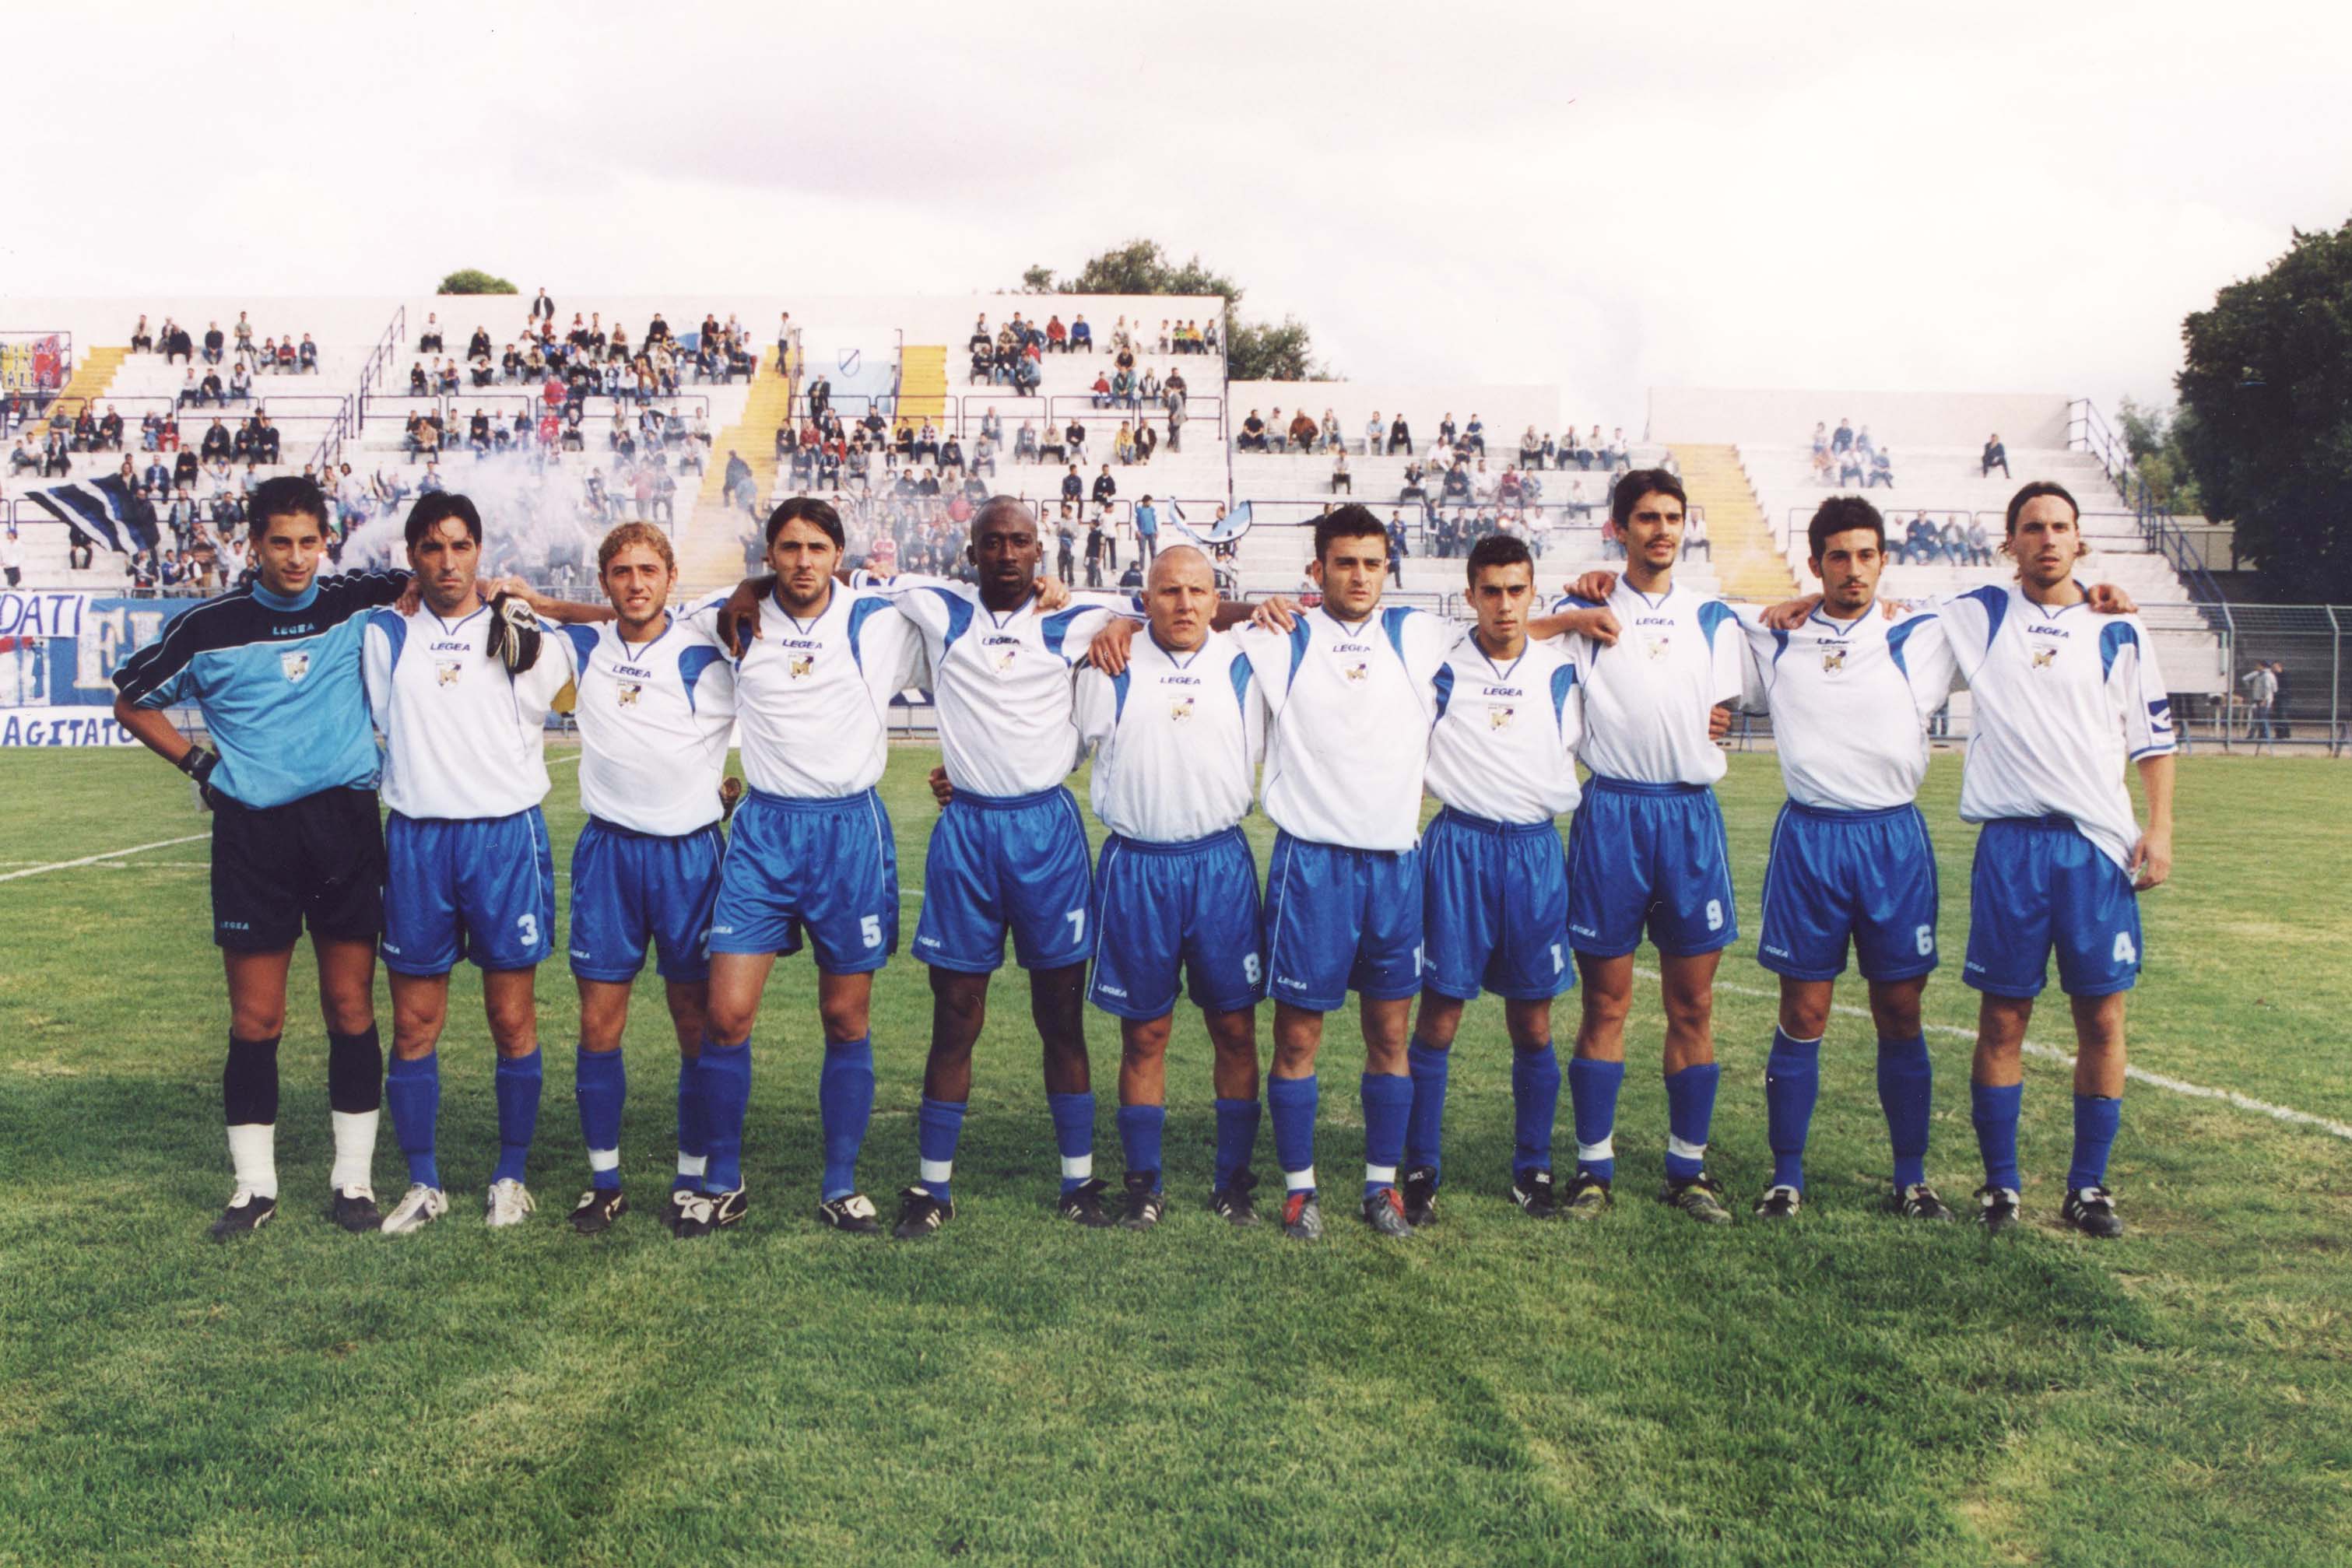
(538, 516)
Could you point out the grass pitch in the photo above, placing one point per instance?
(1847, 1390)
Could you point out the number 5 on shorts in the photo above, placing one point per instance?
(870, 928)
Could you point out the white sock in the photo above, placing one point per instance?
(354, 1148)
(253, 1151)
(692, 1165)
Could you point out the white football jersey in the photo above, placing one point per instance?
(813, 696)
(1646, 698)
(1503, 746)
(1850, 702)
(1177, 738)
(1351, 706)
(1002, 683)
(462, 737)
(2063, 698)
(653, 722)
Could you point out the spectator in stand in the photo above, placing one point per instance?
(1147, 531)
(1882, 469)
(1074, 488)
(177, 342)
(1995, 455)
(1978, 544)
(1694, 534)
(1375, 431)
(1399, 436)
(1082, 337)
(1057, 337)
(216, 442)
(736, 486)
(56, 449)
(1253, 435)
(950, 455)
(1531, 449)
(210, 389)
(12, 557)
(1123, 444)
(428, 342)
(2262, 695)
(1621, 452)
(1176, 417)
(1843, 440)
(1074, 435)
(1105, 487)
(1825, 467)
(1101, 390)
(1304, 431)
(1921, 544)
(1342, 481)
(240, 381)
(1474, 434)
(1952, 543)
(143, 341)
(214, 343)
(1849, 465)
(155, 477)
(1097, 546)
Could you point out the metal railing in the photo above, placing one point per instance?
(962, 413)
(2088, 430)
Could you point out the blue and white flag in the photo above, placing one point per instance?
(1224, 530)
(101, 510)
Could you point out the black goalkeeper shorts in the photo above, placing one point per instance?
(319, 858)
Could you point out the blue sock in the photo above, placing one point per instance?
(1139, 1127)
(723, 1074)
(1425, 1126)
(1592, 1103)
(693, 1142)
(844, 1104)
(1906, 1082)
(413, 1089)
(601, 1084)
(1291, 1102)
(1534, 1104)
(1995, 1112)
(1690, 1107)
(1073, 1135)
(2096, 1120)
(1793, 1080)
(1388, 1106)
(938, 1126)
(1236, 1137)
(517, 1083)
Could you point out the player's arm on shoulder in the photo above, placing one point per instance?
(1573, 615)
(2109, 599)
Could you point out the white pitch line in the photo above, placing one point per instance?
(2054, 1053)
(93, 859)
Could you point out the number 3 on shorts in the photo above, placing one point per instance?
(529, 925)
(870, 928)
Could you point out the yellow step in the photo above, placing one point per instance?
(1746, 561)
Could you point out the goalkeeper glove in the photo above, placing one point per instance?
(514, 633)
(198, 763)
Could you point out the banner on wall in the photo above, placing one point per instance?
(58, 653)
(34, 362)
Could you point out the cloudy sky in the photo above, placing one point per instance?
(1990, 198)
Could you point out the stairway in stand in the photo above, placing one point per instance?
(90, 379)
(711, 555)
(1747, 566)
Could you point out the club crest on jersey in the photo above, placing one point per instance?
(1358, 671)
(296, 665)
(1500, 717)
(1003, 660)
(1832, 660)
(1181, 708)
(449, 670)
(802, 664)
(1658, 644)
(629, 692)
(2043, 657)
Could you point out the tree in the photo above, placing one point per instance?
(472, 280)
(2266, 396)
(2156, 438)
(1253, 350)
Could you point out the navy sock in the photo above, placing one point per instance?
(1388, 1106)
(1291, 1102)
(1792, 1081)
(844, 1103)
(354, 1071)
(249, 1082)
(2098, 1118)
(723, 1074)
(693, 1140)
(1592, 1103)
(1535, 1107)
(1073, 1135)
(517, 1083)
(1426, 1127)
(938, 1126)
(601, 1082)
(1236, 1137)
(1690, 1108)
(1139, 1127)
(1906, 1082)
(1994, 1110)
(413, 1088)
